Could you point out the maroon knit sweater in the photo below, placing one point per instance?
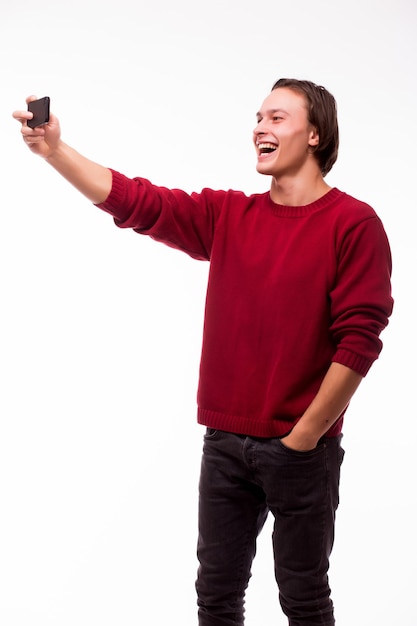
(290, 290)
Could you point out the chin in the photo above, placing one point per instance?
(262, 168)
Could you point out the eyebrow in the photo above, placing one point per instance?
(271, 112)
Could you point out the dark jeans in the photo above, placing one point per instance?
(242, 478)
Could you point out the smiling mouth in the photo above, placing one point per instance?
(266, 148)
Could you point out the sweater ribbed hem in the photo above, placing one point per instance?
(252, 427)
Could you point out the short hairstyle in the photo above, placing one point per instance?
(322, 114)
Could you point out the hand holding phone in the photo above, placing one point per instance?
(40, 110)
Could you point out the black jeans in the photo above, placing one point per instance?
(242, 478)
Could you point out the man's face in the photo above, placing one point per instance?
(283, 136)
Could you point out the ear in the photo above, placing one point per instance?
(314, 138)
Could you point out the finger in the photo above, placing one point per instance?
(32, 140)
(32, 137)
(32, 132)
(22, 116)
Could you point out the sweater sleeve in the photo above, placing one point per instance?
(361, 301)
(180, 220)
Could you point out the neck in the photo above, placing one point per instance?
(296, 191)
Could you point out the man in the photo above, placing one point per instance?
(298, 294)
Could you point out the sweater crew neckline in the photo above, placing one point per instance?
(283, 210)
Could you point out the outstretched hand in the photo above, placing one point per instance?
(90, 178)
(42, 140)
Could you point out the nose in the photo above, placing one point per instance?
(257, 131)
(259, 128)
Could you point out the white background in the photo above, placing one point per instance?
(101, 329)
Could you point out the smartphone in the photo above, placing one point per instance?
(40, 110)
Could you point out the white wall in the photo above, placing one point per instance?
(101, 329)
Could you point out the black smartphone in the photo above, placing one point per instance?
(40, 110)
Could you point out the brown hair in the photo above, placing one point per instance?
(322, 114)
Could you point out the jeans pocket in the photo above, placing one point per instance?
(299, 453)
(210, 433)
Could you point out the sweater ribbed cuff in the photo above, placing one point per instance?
(356, 362)
(114, 201)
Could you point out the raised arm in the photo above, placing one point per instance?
(93, 180)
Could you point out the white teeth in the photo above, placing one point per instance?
(267, 146)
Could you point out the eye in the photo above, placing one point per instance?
(277, 118)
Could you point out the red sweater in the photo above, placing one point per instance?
(290, 290)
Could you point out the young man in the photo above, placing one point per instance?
(298, 293)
